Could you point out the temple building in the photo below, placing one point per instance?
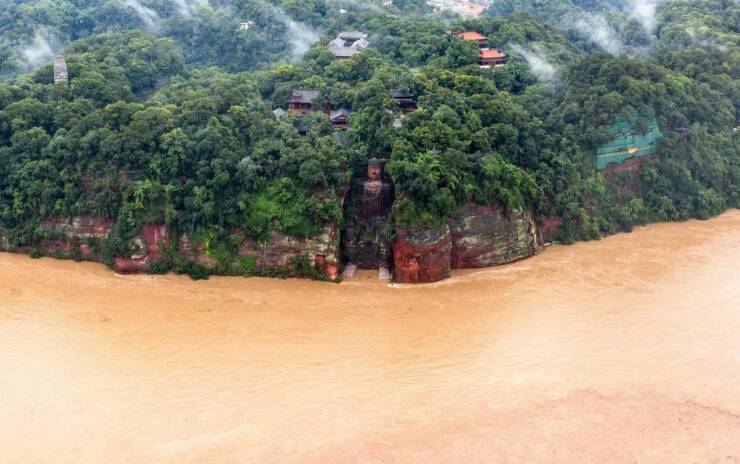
(348, 44)
(404, 100)
(302, 101)
(339, 118)
(491, 57)
(472, 36)
(60, 70)
(488, 57)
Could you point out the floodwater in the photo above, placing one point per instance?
(623, 350)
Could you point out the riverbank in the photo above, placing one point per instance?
(618, 350)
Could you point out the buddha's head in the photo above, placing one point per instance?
(374, 169)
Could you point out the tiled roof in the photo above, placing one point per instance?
(398, 93)
(306, 96)
(344, 52)
(472, 35)
(337, 113)
(492, 53)
(352, 35)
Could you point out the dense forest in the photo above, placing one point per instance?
(168, 113)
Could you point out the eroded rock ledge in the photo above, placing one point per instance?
(478, 236)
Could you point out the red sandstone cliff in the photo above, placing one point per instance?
(422, 255)
(278, 254)
(153, 238)
(483, 236)
(478, 236)
(65, 236)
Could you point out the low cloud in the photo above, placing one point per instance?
(600, 32)
(39, 51)
(187, 7)
(146, 14)
(644, 11)
(536, 58)
(300, 36)
(697, 38)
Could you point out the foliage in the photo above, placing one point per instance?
(172, 121)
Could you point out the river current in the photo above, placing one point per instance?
(622, 350)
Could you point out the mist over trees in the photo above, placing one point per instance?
(168, 114)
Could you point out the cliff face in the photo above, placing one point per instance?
(153, 237)
(626, 177)
(282, 250)
(422, 255)
(478, 236)
(277, 255)
(71, 235)
(4, 242)
(549, 228)
(483, 237)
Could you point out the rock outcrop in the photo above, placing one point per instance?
(422, 255)
(483, 236)
(478, 236)
(549, 228)
(67, 236)
(79, 227)
(278, 255)
(282, 251)
(149, 250)
(196, 254)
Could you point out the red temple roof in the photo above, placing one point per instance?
(492, 53)
(472, 35)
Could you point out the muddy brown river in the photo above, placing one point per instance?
(623, 350)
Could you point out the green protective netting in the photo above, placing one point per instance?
(629, 142)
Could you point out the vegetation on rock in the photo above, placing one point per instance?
(168, 115)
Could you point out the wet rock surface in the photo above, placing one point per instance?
(79, 226)
(154, 237)
(281, 251)
(549, 228)
(73, 236)
(422, 255)
(483, 236)
(478, 236)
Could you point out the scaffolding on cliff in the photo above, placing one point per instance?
(60, 70)
(629, 141)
